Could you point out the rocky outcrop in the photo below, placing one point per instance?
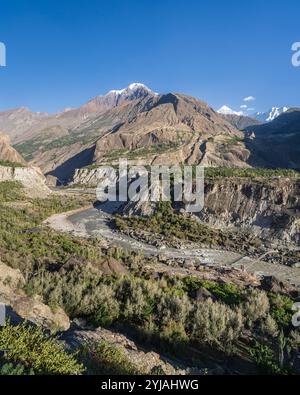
(28, 308)
(8, 153)
(269, 207)
(145, 361)
(88, 176)
(31, 178)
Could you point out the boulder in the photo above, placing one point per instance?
(272, 284)
(203, 294)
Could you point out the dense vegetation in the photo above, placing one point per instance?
(170, 224)
(168, 314)
(24, 243)
(249, 172)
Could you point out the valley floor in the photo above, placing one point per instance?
(97, 222)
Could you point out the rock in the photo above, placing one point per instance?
(272, 284)
(10, 279)
(112, 266)
(203, 294)
(189, 264)
(31, 178)
(52, 181)
(146, 361)
(34, 310)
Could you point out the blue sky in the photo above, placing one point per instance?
(62, 53)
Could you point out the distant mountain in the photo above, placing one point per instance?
(16, 121)
(241, 122)
(270, 115)
(277, 143)
(115, 98)
(23, 125)
(224, 110)
(147, 128)
(157, 129)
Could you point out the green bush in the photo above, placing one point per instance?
(104, 358)
(265, 359)
(281, 309)
(33, 349)
(10, 369)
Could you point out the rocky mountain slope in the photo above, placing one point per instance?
(277, 142)
(171, 128)
(17, 121)
(23, 125)
(270, 115)
(241, 122)
(143, 126)
(271, 208)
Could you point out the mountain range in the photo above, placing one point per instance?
(136, 123)
(262, 117)
(270, 115)
(277, 143)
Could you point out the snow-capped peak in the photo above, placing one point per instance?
(270, 115)
(131, 88)
(225, 110)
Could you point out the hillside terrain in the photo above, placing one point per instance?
(277, 143)
(241, 122)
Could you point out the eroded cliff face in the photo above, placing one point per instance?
(31, 178)
(88, 177)
(269, 207)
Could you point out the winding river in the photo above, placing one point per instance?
(97, 222)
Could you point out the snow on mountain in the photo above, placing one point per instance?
(270, 115)
(224, 110)
(115, 98)
(132, 88)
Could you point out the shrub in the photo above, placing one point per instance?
(104, 358)
(256, 306)
(9, 369)
(281, 309)
(265, 359)
(216, 324)
(33, 349)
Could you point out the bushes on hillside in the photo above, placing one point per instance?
(34, 350)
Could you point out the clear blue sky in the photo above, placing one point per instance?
(62, 53)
